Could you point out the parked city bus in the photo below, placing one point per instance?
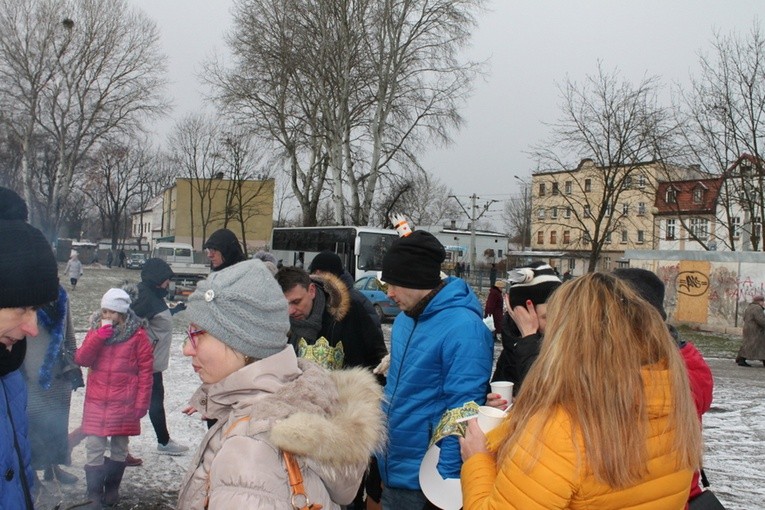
(360, 248)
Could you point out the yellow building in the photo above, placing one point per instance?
(195, 208)
(574, 210)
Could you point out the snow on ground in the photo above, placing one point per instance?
(734, 429)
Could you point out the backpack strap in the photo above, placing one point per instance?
(299, 499)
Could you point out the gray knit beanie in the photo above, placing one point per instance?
(243, 307)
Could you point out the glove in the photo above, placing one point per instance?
(75, 378)
(178, 308)
(105, 332)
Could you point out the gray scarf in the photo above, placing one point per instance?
(309, 327)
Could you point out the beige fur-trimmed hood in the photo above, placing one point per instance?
(338, 297)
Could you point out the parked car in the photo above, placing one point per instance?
(136, 260)
(372, 289)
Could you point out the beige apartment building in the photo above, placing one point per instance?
(572, 209)
(195, 208)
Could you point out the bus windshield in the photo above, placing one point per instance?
(373, 247)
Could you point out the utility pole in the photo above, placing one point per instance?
(473, 218)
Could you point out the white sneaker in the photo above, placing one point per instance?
(172, 448)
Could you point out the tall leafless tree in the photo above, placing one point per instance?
(619, 126)
(79, 71)
(349, 89)
(723, 119)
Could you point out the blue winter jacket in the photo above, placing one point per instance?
(13, 400)
(439, 361)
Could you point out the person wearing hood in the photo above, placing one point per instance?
(441, 358)
(277, 415)
(28, 280)
(51, 375)
(118, 353)
(73, 269)
(150, 305)
(223, 249)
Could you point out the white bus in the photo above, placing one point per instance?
(360, 248)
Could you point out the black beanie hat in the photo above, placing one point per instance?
(534, 282)
(414, 261)
(156, 271)
(327, 261)
(645, 283)
(28, 269)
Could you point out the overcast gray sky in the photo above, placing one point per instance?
(531, 46)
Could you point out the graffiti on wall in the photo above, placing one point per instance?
(668, 275)
(692, 283)
(723, 295)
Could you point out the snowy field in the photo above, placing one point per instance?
(734, 429)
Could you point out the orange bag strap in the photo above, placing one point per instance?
(299, 499)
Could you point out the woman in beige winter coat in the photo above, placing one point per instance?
(754, 333)
(267, 402)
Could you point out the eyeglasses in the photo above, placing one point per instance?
(192, 335)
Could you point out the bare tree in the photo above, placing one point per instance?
(93, 69)
(113, 182)
(723, 119)
(349, 89)
(516, 216)
(194, 146)
(422, 198)
(618, 127)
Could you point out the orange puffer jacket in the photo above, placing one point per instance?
(118, 390)
(557, 482)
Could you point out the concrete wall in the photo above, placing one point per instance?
(706, 288)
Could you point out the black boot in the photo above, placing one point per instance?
(94, 476)
(59, 474)
(742, 362)
(114, 472)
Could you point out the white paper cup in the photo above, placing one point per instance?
(106, 322)
(504, 389)
(489, 418)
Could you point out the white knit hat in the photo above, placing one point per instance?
(243, 307)
(117, 300)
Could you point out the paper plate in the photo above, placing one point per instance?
(445, 493)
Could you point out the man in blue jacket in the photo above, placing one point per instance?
(441, 358)
(28, 279)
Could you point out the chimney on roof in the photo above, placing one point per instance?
(219, 176)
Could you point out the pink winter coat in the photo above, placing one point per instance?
(118, 390)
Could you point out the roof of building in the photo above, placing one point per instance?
(685, 201)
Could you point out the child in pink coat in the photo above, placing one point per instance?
(118, 391)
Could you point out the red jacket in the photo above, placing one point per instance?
(701, 382)
(494, 307)
(118, 390)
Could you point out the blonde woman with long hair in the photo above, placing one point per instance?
(605, 418)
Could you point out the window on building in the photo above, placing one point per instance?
(567, 213)
(541, 213)
(586, 211)
(540, 237)
(698, 195)
(671, 196)
(554, 213)
(608, 210)
(571, 264)
(566, 236)
(627, 183)
(587, 185)
(625, 236)
(699, 228)
(542, 189)
(607, 239)
(641, 209)
(555, 188)
(641, 181)
(625, 209)
(669, 230)
(569, 187)
(735, 225)
(607, 263)
(586, 238)
(553, 237)
(640, 236)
